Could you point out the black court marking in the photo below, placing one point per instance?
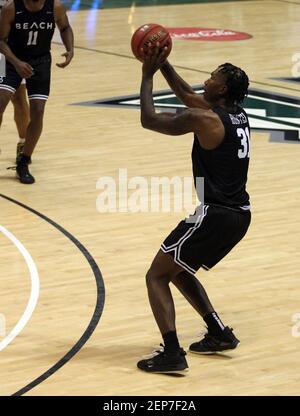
(98, 308)
(119, 55)
(289, 79)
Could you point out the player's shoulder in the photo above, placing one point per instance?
(59, 9)
(58, 5)
(204, 113)
(200, 117)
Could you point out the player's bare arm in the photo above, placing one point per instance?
(66, 32)
(205, 123)
(6, 20)
(182, 89)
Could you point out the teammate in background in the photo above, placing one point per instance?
(21, 108)
(220, 155)
(26, 31)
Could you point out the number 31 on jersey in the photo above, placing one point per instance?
(245, 142)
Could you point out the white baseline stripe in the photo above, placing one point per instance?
(35, 289)
(271, 100)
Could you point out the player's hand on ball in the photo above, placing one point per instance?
(153, 59)
(69, 56)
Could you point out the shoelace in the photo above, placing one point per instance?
(24, 168)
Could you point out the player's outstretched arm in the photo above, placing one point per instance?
(182, 89)
(66, 32)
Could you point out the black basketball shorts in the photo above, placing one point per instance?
(38, 86)
(205, 238)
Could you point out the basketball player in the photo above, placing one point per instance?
(26, 31)
(21, 108)
(220, 155)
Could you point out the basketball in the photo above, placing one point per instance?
(147, 36)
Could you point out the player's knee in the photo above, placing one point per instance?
(37, 112)
(151, 279)
(156, 277)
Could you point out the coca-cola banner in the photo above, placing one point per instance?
(201, 33)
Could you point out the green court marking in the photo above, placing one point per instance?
(274, 109)
(114, 4)
(271, 106)
(266, 110)
(109, 4)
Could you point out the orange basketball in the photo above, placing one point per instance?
(147, 37)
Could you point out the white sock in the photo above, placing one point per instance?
(21, 141)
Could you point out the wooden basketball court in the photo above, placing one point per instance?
(58, 252)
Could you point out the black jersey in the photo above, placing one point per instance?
(225, 168)
(31, 32)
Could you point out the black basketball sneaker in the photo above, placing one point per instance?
(22, 170)
(211, 344)
(165, 362)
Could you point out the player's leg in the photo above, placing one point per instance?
(172, 358)
(158, 278)
(38, 87)
(21, 115)
(33, 133)
(194, 292)
(219, 337)
(182, 245)
(5, 97)
(8, 86)
(196, 295)
(35, 126)
(203, 242)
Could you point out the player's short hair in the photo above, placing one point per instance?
(237, 82)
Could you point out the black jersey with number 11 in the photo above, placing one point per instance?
(225, 168)
(31, 32)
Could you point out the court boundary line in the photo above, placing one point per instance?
(98, 307)
(34, 294)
